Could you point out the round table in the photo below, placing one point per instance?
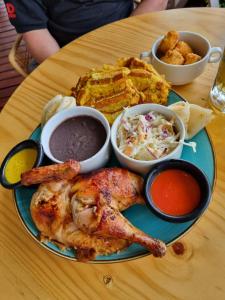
(28, 271)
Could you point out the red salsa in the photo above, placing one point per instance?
(175, 192)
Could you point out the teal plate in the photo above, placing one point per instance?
(138, 215)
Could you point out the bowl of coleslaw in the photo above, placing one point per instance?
(145, 135)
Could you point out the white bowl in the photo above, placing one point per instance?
(95, 162)
(183, 74)
(144, 166)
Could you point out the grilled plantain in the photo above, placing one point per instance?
(109, 89)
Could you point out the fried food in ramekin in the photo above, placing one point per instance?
(173, 57)
(183, 48)
(173, 51)
(191, 58)
(168, 42)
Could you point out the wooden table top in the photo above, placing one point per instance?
(28, 271)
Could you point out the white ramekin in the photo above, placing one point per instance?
(144, 166)
(96, 161)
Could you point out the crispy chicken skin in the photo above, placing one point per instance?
(168, 42)
(67, 170)
(119, 187)
(84, 212)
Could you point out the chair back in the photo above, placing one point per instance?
(19, 56)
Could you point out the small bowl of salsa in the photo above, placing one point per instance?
(21, 158)
(177, 191)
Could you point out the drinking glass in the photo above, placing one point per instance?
(217, 93)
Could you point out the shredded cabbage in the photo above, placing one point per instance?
(147, 137)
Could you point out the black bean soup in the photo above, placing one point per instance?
(77, 138)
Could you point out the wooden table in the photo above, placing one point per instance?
(30, 272)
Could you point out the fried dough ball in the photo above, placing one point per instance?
(191, 58)
(168, 42)
(183, 48)
(173, 57)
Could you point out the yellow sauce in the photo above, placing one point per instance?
(20, 162)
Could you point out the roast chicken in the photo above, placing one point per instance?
(83, 212)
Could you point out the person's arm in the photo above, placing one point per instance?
(30, 18)
(149, 5)
(40, 44)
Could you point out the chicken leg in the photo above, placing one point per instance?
(109, 222)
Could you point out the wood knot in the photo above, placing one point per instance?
(107, 279)
(178, 248)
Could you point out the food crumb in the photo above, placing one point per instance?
(107, 279)
(178, 248)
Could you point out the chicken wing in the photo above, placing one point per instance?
(67, 170)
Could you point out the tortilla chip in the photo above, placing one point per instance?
(199, 118)
(194, 117)
(182, 109)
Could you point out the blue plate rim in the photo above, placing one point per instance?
(129, 258)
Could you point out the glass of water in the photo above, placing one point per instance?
(217, 93)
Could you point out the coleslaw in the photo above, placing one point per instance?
(147, 137)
